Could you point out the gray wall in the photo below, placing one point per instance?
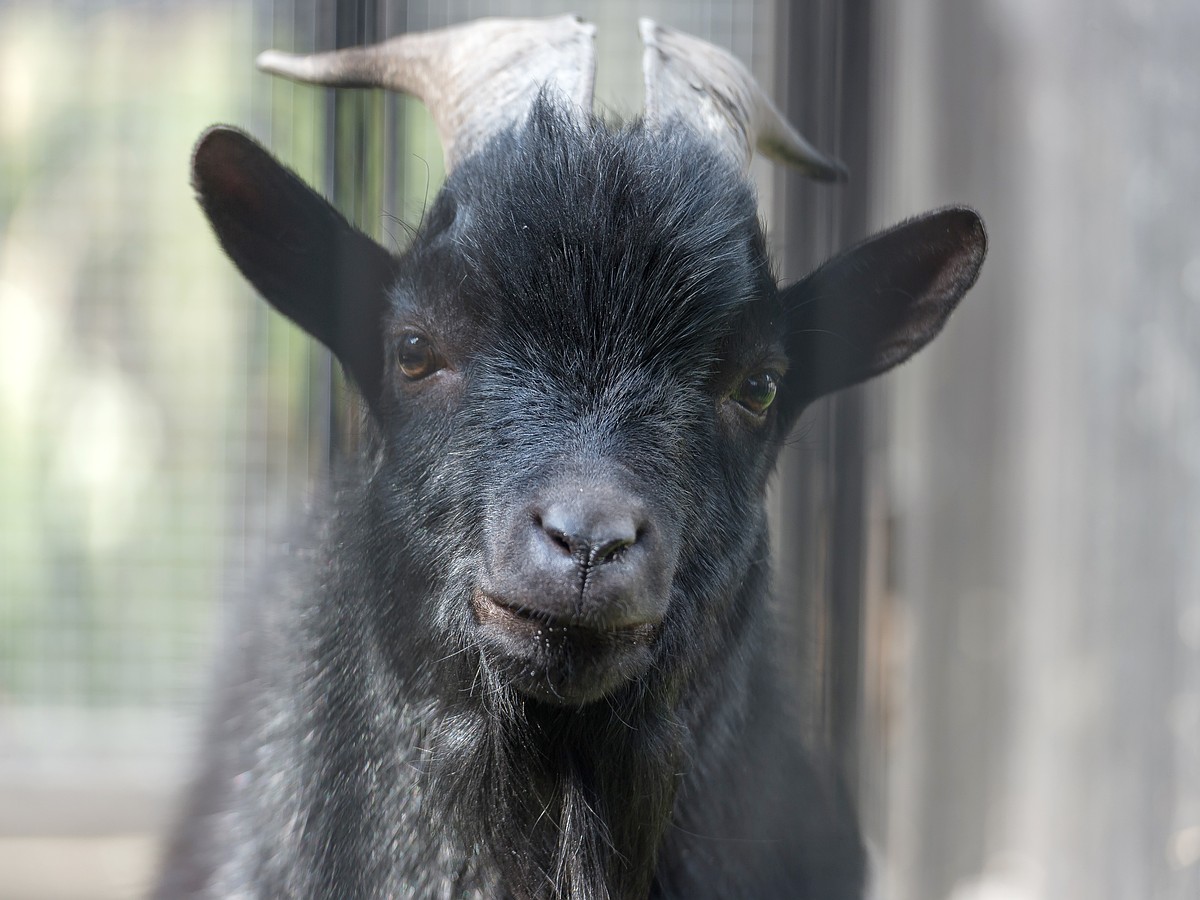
(1042, 630)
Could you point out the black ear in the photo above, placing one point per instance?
(296, 249)
(876, 304)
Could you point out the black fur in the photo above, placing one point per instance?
(598, 298)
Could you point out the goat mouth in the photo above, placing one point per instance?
(560, 660)
(492, 610)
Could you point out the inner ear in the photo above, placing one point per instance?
(297, 250)
(873, 306)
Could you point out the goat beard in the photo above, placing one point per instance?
(563, 803)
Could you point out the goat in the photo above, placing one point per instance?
(531, 654)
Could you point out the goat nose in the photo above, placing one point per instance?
(591, 533)
(586, 553)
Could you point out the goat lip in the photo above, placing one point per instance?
(492, 610)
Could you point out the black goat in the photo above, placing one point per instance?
(531, 657)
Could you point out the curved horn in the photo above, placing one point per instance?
(476, 79)
(708, 87)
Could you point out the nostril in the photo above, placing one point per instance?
(611, 550)
(562, 540)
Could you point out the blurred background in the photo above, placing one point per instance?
(992, 556)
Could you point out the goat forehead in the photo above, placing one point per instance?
(604, 242)
(524, 424)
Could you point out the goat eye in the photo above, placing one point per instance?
(757, 392)
(417, 357)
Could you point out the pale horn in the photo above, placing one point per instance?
(690, 79)
(476, 79)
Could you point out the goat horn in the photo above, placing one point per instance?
(708, 87)
(476, 78)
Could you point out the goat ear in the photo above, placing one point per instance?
(296, 249)
(873, 306)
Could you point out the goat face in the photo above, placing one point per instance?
(584, 343)
(570, 378)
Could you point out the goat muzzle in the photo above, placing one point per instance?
(576, 587)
